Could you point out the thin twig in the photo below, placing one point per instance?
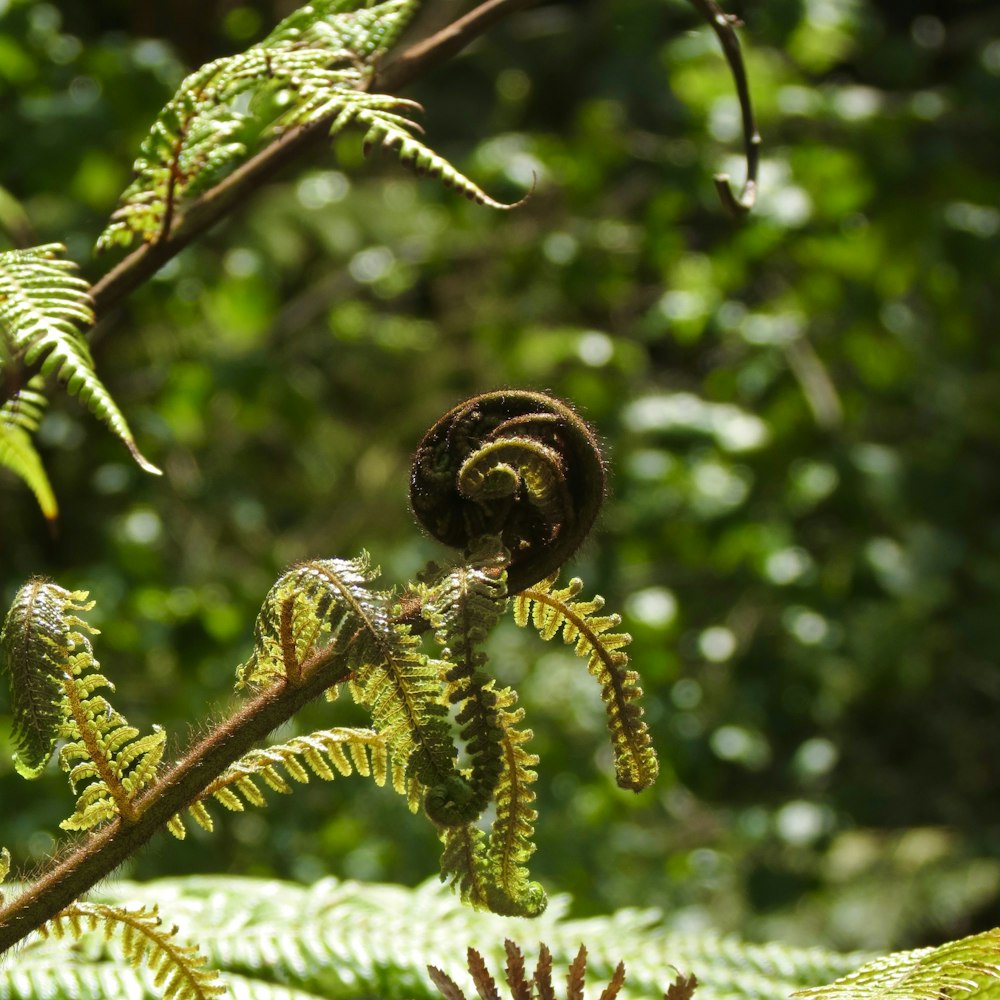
(723, 25)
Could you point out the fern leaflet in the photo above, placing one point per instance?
(179, 970)
(549, 610)
(43, 306)
(324, 753)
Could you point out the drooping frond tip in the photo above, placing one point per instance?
(44, 307)
(592, 636)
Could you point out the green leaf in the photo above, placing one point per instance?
(43, 306)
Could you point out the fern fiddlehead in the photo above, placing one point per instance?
(512, 463)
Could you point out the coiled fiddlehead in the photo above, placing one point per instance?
(518, 464)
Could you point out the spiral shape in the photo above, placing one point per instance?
(518, 464)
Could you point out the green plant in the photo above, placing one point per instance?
(511, 479)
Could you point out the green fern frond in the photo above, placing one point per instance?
(463, 608)
(109, 758)
(179, 970)
(490, 872)
(970, 966)
(324, 753)
(346, 939)
(43, 306)
(636, 766)
(329, 602)
(42, 637)
(316, 64)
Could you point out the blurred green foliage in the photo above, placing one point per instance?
(801, 418)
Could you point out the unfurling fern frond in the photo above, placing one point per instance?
(327, 606)
(324, 754)
(590, 634)
(19, 418)
(43, 308)
(45, 647)
(315, 65)
(955, 970)
(313, 606)
(180, 971)
(463, 607)
(490, 872)
(43, 634)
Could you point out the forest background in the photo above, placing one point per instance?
(800, 412)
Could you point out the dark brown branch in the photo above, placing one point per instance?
(723, 25)
(219, 201)
(102, 852)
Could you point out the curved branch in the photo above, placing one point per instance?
(724, 25)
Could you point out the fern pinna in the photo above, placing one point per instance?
(514, 480)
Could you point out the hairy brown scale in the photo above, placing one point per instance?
(518, 464)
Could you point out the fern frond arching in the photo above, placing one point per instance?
(43, 635)
(324, 754)
(320, 61)
(44, 306)
(954, 970)
(180, 971)
(550, 611)
(19, 419)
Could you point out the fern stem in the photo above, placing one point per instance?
(101, 853)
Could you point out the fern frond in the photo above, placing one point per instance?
(19, 419)
(324, 754)
(115, 761)
(43, 307)
(490, 873)
(463, 608)
(179, 970)
(510, 843)
(315, 65)
(42, 637)
(328, 603)
(954, 970)
(591, 635)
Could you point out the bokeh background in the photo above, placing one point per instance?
(801, 414)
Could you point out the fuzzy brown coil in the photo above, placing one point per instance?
(521, 465)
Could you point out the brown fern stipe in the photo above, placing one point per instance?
(518, 464)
